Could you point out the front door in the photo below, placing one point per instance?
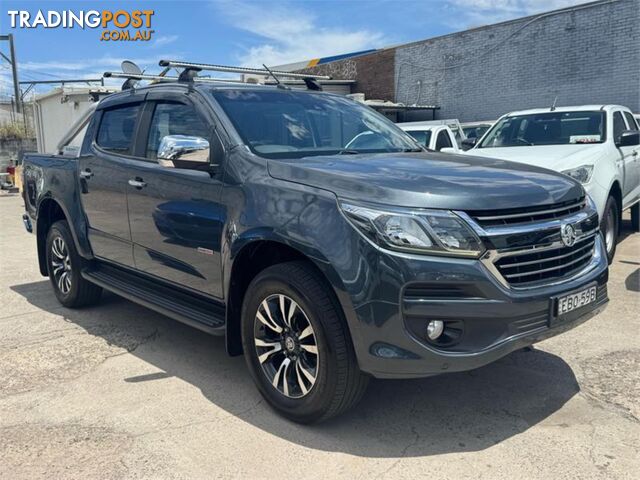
(627, 158)
(175, 212)
(632, 173)
(103, 175)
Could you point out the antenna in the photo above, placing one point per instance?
(246, 70)
(278, 84)
(553, 107)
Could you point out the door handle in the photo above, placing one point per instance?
(86, 173)
(137, 182)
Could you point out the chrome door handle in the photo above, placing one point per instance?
(137, 182)
(86, 174)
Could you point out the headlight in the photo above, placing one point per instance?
(582, 173)
(436, 232)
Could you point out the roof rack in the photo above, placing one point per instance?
(228, 69)
(189, 73)
(159, 78)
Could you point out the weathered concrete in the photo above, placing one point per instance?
(117, 391)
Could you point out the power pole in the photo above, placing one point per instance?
(14, 69)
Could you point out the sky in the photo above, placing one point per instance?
(242, 32)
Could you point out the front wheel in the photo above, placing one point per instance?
(297, 345)
(64, 265)
(609, 226)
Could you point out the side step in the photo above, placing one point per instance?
(194, 310)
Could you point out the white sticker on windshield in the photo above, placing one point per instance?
(584, 138)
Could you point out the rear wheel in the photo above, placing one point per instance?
(609, 226)
(635, 217)
(64, 265)
(297, 345)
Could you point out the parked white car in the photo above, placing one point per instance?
(598, 145)
(435, 137)
(475, 129)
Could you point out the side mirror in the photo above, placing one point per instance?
(448, 150)
(628, 138)
(469, 143)
(184, 151)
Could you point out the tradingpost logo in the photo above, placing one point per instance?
(116, 25)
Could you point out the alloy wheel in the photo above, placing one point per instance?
(61, 265)
(286, 346)
(610, 228)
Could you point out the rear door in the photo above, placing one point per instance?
(175, 213)
(103, 172)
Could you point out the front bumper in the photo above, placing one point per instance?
(495, 319)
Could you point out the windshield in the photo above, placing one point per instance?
(423, 137)
(289, 124)
(550, 128)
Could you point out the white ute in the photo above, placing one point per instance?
(438, 137)
(598, 145)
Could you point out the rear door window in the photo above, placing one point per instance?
(117, 128)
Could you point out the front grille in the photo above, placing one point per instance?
(546, 264)
(513, 216)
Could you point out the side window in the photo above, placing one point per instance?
(173, 119)
(618, 125)
(117, 127)
(631, 121)
(442, 140)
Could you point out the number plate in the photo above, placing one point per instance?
(576, 300)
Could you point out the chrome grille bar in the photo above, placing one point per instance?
(542, 260)
(534, 213)
(549, 269)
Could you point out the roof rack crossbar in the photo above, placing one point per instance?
(245, 70)
(165, 78)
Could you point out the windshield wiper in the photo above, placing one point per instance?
(348, 151)
(408, 150)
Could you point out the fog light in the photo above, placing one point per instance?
(435, 329)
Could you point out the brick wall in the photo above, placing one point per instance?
(373, 73)
(587, 55)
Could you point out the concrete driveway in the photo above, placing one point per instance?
(118, 391)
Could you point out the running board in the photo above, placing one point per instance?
(194, 310)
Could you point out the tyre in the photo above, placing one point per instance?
(635, 217)
(609, 225)
(297, 345)
(64, 266)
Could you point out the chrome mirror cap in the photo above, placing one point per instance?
(183, 148)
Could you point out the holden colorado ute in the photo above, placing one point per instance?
(598, 145)
(238, 209)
